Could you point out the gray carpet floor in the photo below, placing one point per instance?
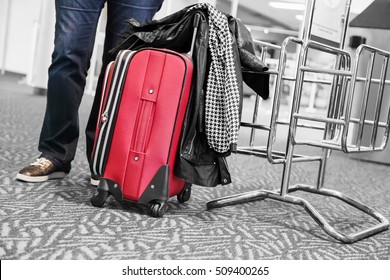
(54, 220)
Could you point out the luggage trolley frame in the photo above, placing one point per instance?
(336, 126)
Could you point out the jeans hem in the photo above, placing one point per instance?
(63, 167)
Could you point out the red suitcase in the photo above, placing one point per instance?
(144, 102)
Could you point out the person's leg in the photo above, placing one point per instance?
(76, 23)
(75, 29)
(118, 12)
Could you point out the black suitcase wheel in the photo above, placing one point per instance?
(100, 198)
(185, 193)
(157, 209)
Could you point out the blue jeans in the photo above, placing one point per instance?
(75, 30)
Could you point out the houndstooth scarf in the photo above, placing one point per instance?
(222, 92)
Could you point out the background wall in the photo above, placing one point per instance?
(18, 22)
(27, 28)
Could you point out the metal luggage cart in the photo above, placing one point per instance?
(343, 128)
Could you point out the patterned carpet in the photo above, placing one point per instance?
(54, 220)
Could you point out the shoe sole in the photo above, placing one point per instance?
(94, 182)
(37, 179)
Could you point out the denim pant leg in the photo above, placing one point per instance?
(118, 12)
(75, 29)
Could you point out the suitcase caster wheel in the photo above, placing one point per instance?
(158, 209)
(185, 194)
(100, 198)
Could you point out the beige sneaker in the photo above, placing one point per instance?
(40, 171)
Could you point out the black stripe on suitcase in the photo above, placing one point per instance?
(110, 111)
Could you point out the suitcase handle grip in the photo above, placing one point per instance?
(196, 25)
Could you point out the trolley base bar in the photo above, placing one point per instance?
(321, 221)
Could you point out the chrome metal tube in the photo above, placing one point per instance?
(266, 44)
(366, 94)
(326, 71)
(293, 120)
(255, 126)
(319, 119)
(374, 81)
(277, 96)
(378, 107)
(264, 48)
(368, 122)
(317, 127)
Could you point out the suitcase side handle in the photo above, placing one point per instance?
(196, 25)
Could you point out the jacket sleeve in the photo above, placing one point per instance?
(254, 71)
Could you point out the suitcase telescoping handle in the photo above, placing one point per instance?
(196, 25)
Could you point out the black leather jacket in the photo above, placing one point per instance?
(197, 163)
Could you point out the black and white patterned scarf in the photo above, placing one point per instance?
(222, 92)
